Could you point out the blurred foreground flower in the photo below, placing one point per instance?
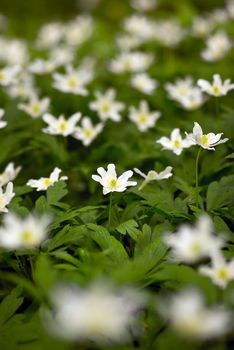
(190, 244)
(23, 233)
(3, 123)
(44, 182)
(9, 174)
(6, 197)
(110, 182)
(188, 315)
(97, 313)
(206, 141)
(152, 175)
(8, 75)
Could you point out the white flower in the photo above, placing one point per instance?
(193, 100)
(144, 5)
(13, 51)
(190, 244)
(73, 81)
(217, 88)
(8, 75)
(78, 30)
(41, 66)
(110, 182)
(23, 88)
(106, 106)
(61, 55)
(169, 32)
(98, 313)
(128, 42)
(230, 8)
(175, 143)
(180, 89)
(139, 26)
(87, 132)
(144, 83)
(201, 26)
(152, 175)
(44, 182)
(6, 197)
(3, 123)
(60, 125)
(131, 62)
(142, 117)
(206, 141)
(49, 35)
(35, 107)
(188, 315)
(23, 233)
(217, 47)
(9, 174)
(221, 272)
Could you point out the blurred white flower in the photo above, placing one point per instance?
(218, 16)
(60, 125)
(95, 314)
(61, 55)
(23, 233)
(221, 272)
(230, 8)
(78, 30)
(9, 173)
(139, 26)
(193, 100)
(206, 141)
(190, 244)
(13, 51)
(201, 26)
(110, 182)
(35, 107)
(44, 182)
(23, 88)
(73, 81)
(175, 143)
(106, 106)
(6, 197)
(50, 35)
(152, 175)
(188, 315)
(217, 88)
(143, 83)
(42, 66)
(169, 32)
(143, 117)
(144, 5)
(3, 123)
(87, 132)
(8, 75)
(126, 42)
(135, 61)
(217, 45)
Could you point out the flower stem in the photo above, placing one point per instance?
(197, 188)
(109, 216)
(217, 107)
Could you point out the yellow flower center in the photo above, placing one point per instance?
(72, 83)
(183, 91)
(47, 181)
(113, 183)
(195, 248)
(177, 143)
(2, 75)
(216, 89)
(35, 108)
(223, 274)
(204, 140)
(62, 126)
(88, 132)
(27, 237)
(105, 107)
(142, 118)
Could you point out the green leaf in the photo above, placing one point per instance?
(10, 304)
(220, 194)
(56, 192)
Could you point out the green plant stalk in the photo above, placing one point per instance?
(197, 180)
(109, 214)
(217, 109)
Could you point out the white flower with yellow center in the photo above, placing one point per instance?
(217, 46)
(190, 244)
(106, 106)
(23, 233)
(152, 175)
(35, 107)
(188, 316)
(73, 81)
(3, 123)
(60, 125)
(87, 132)
(221, 272)
(44, 182)
(9, 174)
(110, 182)
(97, 313)
(180, 89)
(206, 141)
(143, 117)
(217, 88)
(175, 143)
(8, 75)
(131, 62)
(144, 83)
(193, 100)
(6, 197)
